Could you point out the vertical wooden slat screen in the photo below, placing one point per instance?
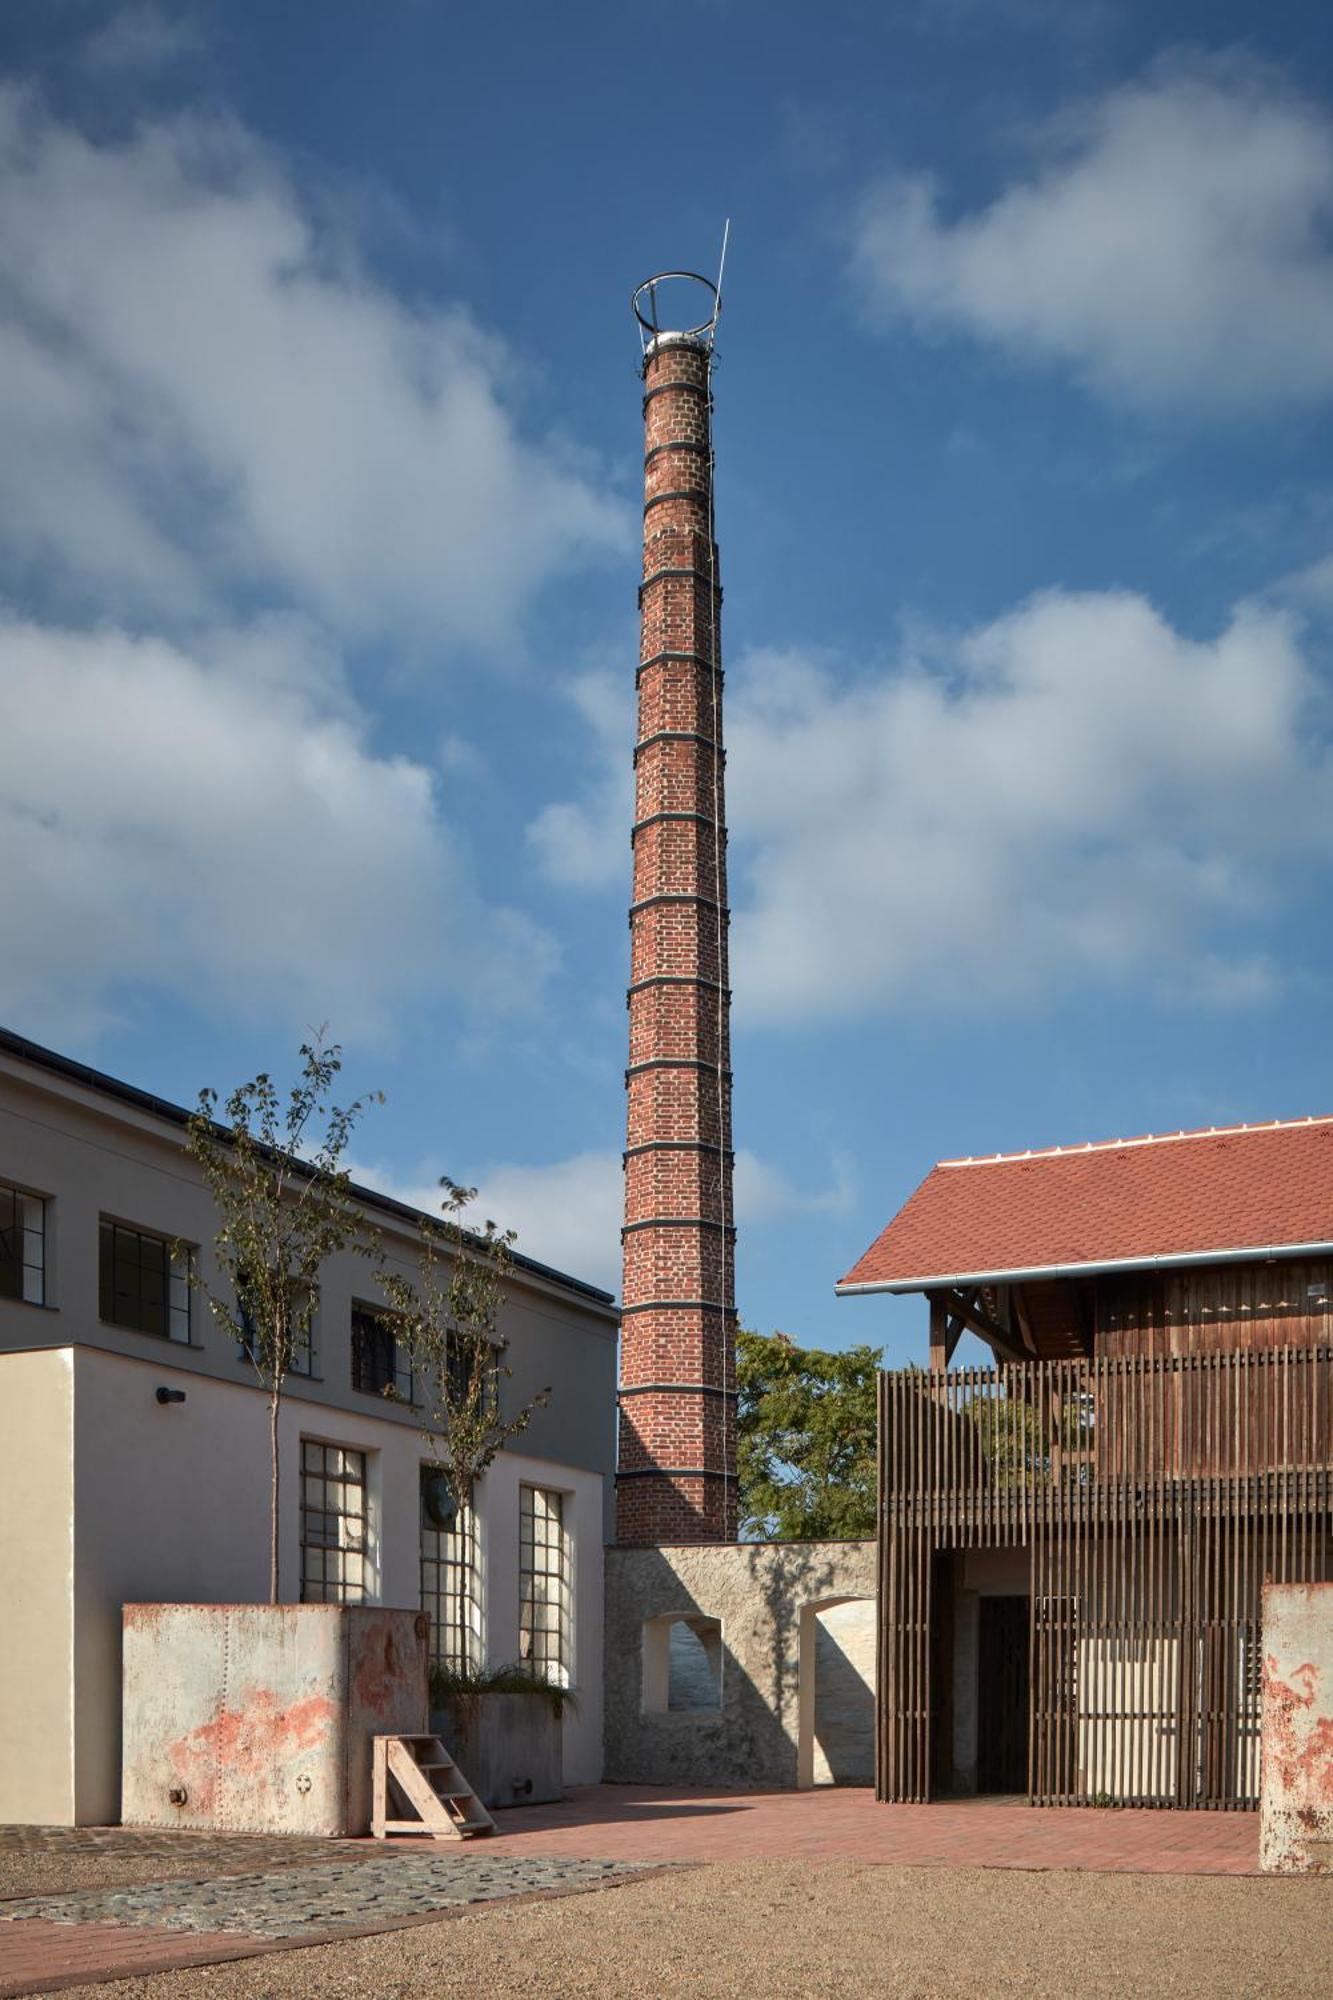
(1153, 1496)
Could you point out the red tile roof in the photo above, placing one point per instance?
(1180, 1197)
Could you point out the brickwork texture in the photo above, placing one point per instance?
(677, 1382)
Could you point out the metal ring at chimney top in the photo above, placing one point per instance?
(650, 327)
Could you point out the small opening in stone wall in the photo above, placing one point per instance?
(682, 1665)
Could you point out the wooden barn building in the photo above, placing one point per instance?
(1074, 1540)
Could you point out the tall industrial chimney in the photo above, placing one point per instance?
(676, 1478)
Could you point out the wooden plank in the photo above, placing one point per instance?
(1211, 1469)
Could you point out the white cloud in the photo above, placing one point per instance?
(1075, 795)
(203, 388)
(568, 1212)
(1171, 242)
(216, 824)
(584, 843)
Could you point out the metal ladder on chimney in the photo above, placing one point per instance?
(419, 1772)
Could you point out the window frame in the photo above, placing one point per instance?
(343, 1545)
(24, 1198)
(177, 1282)
(546, 1589)
(449, 1562)
(367, 1322)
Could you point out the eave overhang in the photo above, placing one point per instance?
(1265, 1253)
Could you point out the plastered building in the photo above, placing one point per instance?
(134, 1451)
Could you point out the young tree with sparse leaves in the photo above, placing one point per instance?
(447, 1320)
(285, 1206)
(805, 1423)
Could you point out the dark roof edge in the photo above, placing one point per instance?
(176, 1114)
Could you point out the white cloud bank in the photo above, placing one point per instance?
(229, 455)
(568, 1212)
(1170, 241)
(202, 387)
(216, 824)
(1074, 796)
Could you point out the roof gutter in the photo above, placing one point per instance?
(176, 1114)
(1023, 1274)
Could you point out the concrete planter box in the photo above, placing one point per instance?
(508, 1746)
(258, 1718)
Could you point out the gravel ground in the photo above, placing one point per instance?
(61, 1862)
(765, 1928)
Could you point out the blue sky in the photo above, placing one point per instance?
(319, 456)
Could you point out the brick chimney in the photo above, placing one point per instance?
(677, 1451)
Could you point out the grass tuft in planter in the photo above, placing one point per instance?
(449, 1685)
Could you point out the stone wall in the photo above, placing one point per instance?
(792, 1700)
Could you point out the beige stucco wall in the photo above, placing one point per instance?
(108, 1497)
(768, 1598)
(143, 1502)
(36, 1587)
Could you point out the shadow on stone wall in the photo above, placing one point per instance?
(757, 1591)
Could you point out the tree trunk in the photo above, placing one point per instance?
(275, 1397)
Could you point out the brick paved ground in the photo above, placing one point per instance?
(39, 1957)
(219, 1897)
(646, 1823)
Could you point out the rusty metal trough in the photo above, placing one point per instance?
(1296, 1803)
(260, 1718)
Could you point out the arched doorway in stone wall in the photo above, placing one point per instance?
(836, 1705)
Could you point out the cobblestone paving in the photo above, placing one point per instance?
(328, 1896)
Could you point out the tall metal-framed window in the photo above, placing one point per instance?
(333, 1524)
(142, 1282)
(380, 1367)
(450, 1581)
(22, 1245)
(544, 1584)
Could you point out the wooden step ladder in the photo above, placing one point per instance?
(419, 1771)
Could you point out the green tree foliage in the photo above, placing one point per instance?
(274, 1167)
(805, 1439)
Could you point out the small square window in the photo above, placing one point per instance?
(144, 1283)
(682, 1665)
(380, 1365)
(22, 1246)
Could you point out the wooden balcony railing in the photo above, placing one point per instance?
(1103, 1434)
